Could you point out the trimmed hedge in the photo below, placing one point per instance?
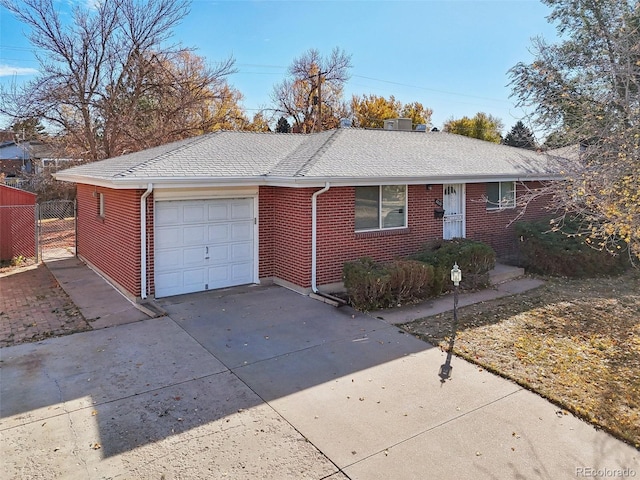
(371, 285)
(474, 258)
(558, 254)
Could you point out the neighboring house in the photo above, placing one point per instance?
(232, 208)
(18, 159)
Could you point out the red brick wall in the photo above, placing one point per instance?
(285, 234)
(111, 243)
(495, 227)
(338, 242)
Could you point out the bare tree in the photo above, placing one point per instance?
(587, 88)
(101, 71)
(312, 95)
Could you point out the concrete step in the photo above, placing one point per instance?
(503, 273)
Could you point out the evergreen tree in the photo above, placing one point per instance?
(283, 126)
(520, 136)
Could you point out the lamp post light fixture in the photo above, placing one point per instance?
(456, 275)
(445, 368)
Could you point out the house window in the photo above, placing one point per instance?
(101, 205)
(501, 195)
(381, 207)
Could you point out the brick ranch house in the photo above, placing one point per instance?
(233, 208)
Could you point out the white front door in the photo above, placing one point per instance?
(453, 203)
(202, 245)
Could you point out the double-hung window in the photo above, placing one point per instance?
(501, 195)
(381, 207)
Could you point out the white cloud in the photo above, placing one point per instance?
(9, 71)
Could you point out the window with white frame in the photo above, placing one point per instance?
(101, 205)
(381, 207)
(501, 195)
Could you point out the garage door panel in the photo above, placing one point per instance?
(241, 211)
(194, 235)
(193, 213)
(219, 276)
(193, 256)
(169, 260)
(169, 282)
(219, 254)
(242, 231)
(240, 251)
(219, 232)
(240, 272)
(194, 280)
(203, 245)
(168, 237)
(218, 212)
(167, 215)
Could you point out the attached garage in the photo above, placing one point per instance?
(203, 245)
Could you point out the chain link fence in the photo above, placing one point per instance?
(57, 228)
(18, 232)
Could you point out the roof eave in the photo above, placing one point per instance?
(299, 182)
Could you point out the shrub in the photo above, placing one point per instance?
(410, 280)
(372, 285)
(558, 254)
(367, 284)
(474, 258)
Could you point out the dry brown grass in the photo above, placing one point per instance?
(575, 342)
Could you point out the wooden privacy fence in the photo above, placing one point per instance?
(18, 223)
(18, 231)
(33, 230)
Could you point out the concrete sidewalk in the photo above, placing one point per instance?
(445, 303)
(100, 303)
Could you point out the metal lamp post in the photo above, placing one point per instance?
(445, 368)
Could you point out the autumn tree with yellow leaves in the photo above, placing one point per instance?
(586, 90)
(370, 111)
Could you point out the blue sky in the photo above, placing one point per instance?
(452, 56)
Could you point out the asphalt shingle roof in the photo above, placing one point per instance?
(335, 154)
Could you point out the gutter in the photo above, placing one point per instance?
(143, 241)
(315, 294)
(314, 235)
(298, 182)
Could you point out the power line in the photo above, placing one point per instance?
(431, 89)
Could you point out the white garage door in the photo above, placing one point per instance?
(202, 245)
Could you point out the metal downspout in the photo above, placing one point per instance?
(314, 234)
(143, 241)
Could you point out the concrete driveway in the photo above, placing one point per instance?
(261, 382)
